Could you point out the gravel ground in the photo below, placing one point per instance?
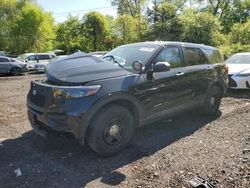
(168, 153)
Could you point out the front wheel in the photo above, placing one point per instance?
(15, 71)
(111, 130)
(213, 100)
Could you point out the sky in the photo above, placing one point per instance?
(60, 9)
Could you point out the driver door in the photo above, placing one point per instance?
(167, 89)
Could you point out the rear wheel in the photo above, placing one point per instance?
(111, 130)
(15, 71)
(213, 100)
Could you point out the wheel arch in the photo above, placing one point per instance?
(125, 100)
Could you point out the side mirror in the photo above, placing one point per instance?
(137, 66)
(161, 67)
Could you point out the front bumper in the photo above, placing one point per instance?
(39, 69)
(24, 69)
(63, 122)
(239, 82)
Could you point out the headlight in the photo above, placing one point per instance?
(75, 92)
(243, 75)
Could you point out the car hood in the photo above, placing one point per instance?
(236, 68)
(82, 69)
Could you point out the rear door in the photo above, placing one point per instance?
(4, 65)
(199, 72)
(167, 89)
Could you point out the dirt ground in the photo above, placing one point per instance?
(168, 153)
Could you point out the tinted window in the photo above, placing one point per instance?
(170, 55)
(193, 56)
(43, 57)
(213, 55)
(3, 60)
(32, 58)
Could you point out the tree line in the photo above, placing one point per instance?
(26, 27)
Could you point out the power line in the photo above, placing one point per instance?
(82, 11)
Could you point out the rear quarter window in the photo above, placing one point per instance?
(214, 56)
(44, 57)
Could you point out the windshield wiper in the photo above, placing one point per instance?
(113, 59)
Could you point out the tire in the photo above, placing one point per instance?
(15, 71)
(212, 102)
(111, 130)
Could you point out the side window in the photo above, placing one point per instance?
(170, 55)
(3, 60)
(214, 56)
(43, 57)
(193, 56)
(32, 58)
(203, 59)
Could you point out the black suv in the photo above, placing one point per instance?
(102, 101)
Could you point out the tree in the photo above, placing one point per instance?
(129, 7)
(69, 36)
(96, 28)
(199, 27)
(125, 29)
(33, 30)
(166, 24)
(241, 33)
(8, 12)
(24, 26)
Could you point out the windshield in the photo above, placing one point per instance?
(239, 59)
(126, 55)
(22, 57)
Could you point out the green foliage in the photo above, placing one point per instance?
(166, 23)
(241, 33)
(199, 27)
(96, 28)
(129, 7)
(25, 27)
(68, 36)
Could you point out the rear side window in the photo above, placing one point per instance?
(213, 56)
(44, 57)
(2, 60)
(194, 56)
(170, 55)
(32, 58)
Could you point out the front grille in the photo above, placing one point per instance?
(231, 82)
(40, 95)
(38, 99)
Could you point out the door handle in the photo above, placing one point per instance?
(179, 73)
(209, 68)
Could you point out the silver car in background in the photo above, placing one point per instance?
(12, 66)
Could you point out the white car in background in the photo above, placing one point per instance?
(239, 71)
(40, 67)
(34, 58)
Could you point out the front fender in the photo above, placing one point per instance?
(105, 100)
